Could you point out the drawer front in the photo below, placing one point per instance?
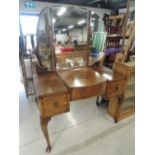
(55, 104)
(81, 93)
(116, 88)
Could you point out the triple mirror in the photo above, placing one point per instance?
(65, 36)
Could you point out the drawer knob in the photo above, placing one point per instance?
(55, 104)
(116, 88)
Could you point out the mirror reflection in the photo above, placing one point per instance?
(66, 29)
(43, 40)
(70, 36)
(70, 27)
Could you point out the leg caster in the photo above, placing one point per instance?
(115, 120)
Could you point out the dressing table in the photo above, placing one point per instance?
(55, 88)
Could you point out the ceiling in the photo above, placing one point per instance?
(71, 17)
(107, 4)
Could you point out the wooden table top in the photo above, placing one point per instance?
(48, 84)
(81, 77)
(58, 82)
(108, 73)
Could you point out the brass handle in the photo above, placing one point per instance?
(55, 103)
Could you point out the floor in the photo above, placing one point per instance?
(86, 130)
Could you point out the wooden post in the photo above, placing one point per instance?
(88, 35)
(130, 40)
(38, 27)
(47, 13)
(125, 24)
(50, 31)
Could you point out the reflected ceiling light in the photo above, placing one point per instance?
(81, 22)
(61, 11)
(92, 12)
(77, 82)
(92, 24)
(53, 20)
(63, 29)
(107, 76)
(71, 26)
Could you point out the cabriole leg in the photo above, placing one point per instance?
(44, 124)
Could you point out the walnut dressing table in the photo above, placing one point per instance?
(55, 88)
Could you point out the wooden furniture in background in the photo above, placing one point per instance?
(116, 24)
(124, 105)
(124, 29)
(112, 48)
(131, 32)
(114, 27)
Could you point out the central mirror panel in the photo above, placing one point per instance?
(70, 26)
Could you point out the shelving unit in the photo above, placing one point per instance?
(114, 27)
(124, 105)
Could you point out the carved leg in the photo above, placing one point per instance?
(44, 123)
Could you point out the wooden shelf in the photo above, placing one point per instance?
(126, 113)
(120, 109)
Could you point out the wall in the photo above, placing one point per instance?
(76, 34)
(62, 38)
(85, 33)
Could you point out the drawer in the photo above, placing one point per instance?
(116, 88)
(53, 105)
(81, 93)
